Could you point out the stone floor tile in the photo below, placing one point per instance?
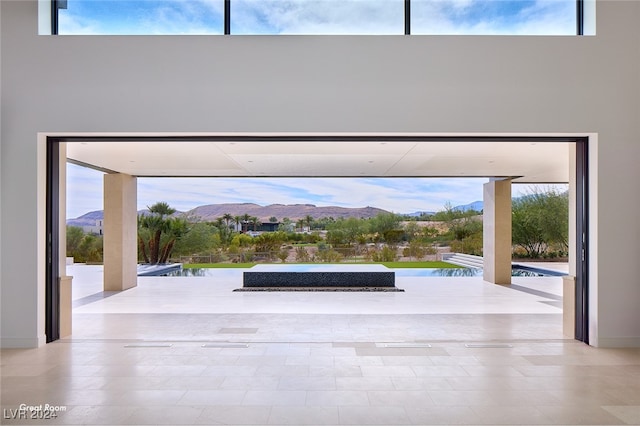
(143, 398)
(630, 414)
(501, 415)
(307, 383)
(308, 415)
(410, 398)
(250, 383)
(442, 415)
(364, 383)
(275, 398)
(235, 415)
(337, 398)
(212, 397)
(579, 415)
(421, 383)
(382, 415)
(468, 398)
(164, 415)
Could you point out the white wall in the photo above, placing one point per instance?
(443, 84)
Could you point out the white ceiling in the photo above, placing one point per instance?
(530, 162)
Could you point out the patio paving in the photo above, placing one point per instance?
(461, 308)
(446, 351)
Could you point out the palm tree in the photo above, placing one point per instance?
(308, 220)
(157, 221)
(254, 221)
(245, 222)
(223, 230)
(238, 221)
(177, 228)
(227, 218)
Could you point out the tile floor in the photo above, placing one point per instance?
(446, 351)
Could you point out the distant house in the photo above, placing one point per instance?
(269, 226)
(94, 229)
(264, 227)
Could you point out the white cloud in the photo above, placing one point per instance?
(518, 190)
(74, 24)
(84, 190)
(91, 17)
(317, 17)
(517, 17)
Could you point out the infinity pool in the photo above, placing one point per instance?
(400, 272)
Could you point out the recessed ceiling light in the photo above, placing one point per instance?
(370, 161)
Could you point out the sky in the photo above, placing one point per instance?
(318, 17)
(398, 195)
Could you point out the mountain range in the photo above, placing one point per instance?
(476, 205)
(280, 211)
(294, 212)
(213, 211)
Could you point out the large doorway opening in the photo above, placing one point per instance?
(341, 156)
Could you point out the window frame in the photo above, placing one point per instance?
(56, 5)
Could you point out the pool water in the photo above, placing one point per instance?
(400, 272)
(458, 272)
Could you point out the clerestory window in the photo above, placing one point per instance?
(487, 17)
(317, 17)
(140, 17)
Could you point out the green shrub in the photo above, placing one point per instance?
(329, 256)
(282, 255)
(302, 255)
(414, 250)
(386, 254)
(469, 245)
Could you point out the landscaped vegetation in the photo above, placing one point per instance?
(540, 225)
(540, 230)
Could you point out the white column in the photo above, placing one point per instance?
(120, 232)
(573, 238)
(497, 231)
(569, 281)
(64, 280)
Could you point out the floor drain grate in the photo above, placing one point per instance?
(148, 345)
(403, 345)
(488, 345)
(238, 330)
(225, 345)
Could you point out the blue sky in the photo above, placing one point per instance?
(318, 17)
(399, 195)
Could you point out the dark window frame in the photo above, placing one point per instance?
(52, 313)
(52, 267)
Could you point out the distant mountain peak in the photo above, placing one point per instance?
(210, 212)
(280, 211)
(476, 205)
